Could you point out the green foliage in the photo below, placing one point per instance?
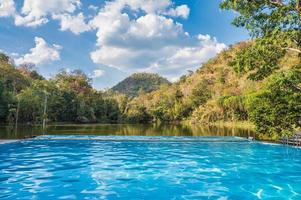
(209, 113)
(4, 59)
(138, 114)
(11, 78)
(70, 97)
(3, 104)
(32, 100)
(75, 81)
(28, 70)
(234, 107)
(200, 94)
(259, 60)
(226, 108)
(276, 110)
(140, 82)
(276, 27)
(262, 17)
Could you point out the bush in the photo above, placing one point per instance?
(276, 110)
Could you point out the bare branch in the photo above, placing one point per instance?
(298, 8)
(294, 87)
(292, 49)
(277, 3)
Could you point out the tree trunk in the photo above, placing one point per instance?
(17, 118)
(298, 8)
(44, 114)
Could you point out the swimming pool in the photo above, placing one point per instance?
(148, 168)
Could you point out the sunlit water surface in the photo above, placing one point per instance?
(149, 168)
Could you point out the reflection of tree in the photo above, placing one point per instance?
(130, 130)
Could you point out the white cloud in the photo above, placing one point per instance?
(92, 7)
(7, 8)
(41, 53)
(152, 41)
(180, 11)
(36, 12)
(76, 24)
(187, 57)
(132, 35)
(98, 73)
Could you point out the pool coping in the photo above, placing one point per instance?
(113, 138)
(8, 141)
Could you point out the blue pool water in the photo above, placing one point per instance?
(148, 168)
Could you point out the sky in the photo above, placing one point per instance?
(111, 39)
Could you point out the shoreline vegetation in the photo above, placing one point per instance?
(254, 84)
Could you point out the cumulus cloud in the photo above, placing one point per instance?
(180, 11)
(132, 35)
(7, 8)
(41, 53)
(76, 24)
(181, 59)
(92, 7)
(37, 12)
(152, 41)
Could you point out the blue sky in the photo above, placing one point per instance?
(110, 40)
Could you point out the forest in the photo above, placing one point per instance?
(256, 81)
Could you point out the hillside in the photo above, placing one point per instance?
(214, 93)
(138, 82)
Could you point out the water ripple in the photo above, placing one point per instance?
(75, 169)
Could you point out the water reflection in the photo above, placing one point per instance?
(8, 132)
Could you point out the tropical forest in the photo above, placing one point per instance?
(255, 83)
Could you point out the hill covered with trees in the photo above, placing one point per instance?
(217, 94)
(257, 82)
(140, 82)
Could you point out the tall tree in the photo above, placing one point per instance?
(275, 26)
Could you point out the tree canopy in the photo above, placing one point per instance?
(275, 27)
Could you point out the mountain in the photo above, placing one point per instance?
(140, 82)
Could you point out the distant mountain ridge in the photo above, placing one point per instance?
(140, 82)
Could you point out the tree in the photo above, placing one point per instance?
(276, 110)
(275, 27)
(201, 93)
(3, 104)
(12, 80)
(11, 83)
(138, 114)
(29, 70)
(76, 81)
(32, 102)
